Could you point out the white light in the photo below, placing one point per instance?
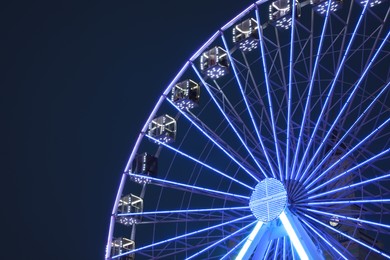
(249, 240)
(293, 236)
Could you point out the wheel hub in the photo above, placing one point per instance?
(268, 200)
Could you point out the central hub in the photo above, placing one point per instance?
(268, 200)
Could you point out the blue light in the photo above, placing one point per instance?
(290, 92)
(350, 128)
(349, 237)
(180, 211)
(331, 91)
(221, 240)
(213, 140)
(191, 187)
(228, 120)
(181, 236)
(345, 172)
(247, 106)
(268, 94)
(234, 248)
(268, 200)
(349, 186)
(357, 85)
(348, 218)
(309, 93)
(324, 239)
(348, 202)
(293, 236)
(249, 241)
(198, 161)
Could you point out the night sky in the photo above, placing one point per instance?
(78, 81)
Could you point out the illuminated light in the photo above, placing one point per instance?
(174, 185)
(328, 96)
(349, 202)
(334, 221)
(200, 162)
(323, 6)
(309, 95)
(234, 248)
(208, 136)
(221, 240)
(284, 23)
(248, 109)
(358, 220)
(214, 62)
(350, 186)
(371, 3)
(181, 211)
(246, 35)
(268, 200)
(269, 97)
(349, 237)
(324, 239)
(293, 236)
(163, 128)
(181, 236)
(249, 241)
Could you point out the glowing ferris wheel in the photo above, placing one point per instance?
(272, 141)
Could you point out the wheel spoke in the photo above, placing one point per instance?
(359, 221)
(215, 142)
(349, 237)
(330, 91)
(345, 156)
(247, 106)
(199, 162)
(352, 186)
(357, 85)
(334, 147)
(180, 237)
(221, 240)
(186, 187)
(324, 239)
(231, 125)
(316, 62)
(269, 94)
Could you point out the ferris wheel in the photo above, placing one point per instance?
(271, 142)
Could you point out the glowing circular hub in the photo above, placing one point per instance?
(268, 200)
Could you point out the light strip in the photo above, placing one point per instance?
(198, 161)
(227, 119)
(177, 184)
(293, 236)
(349, 237)
(350, 186)
(347, 202)
(268, 91)
(328, 97)
(345, 172)
(357, 85)
(348, 218)
(310, 90)
(249, 241)
(325, 240)
(179, 211)
(221, 240)
(234, 248)
(181, 236)
(246, 102)
(323, 160)
(290, 90)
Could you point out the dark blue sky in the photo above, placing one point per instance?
(78, 80)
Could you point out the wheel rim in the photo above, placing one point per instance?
(294, 108)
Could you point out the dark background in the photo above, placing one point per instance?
(78, 80)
